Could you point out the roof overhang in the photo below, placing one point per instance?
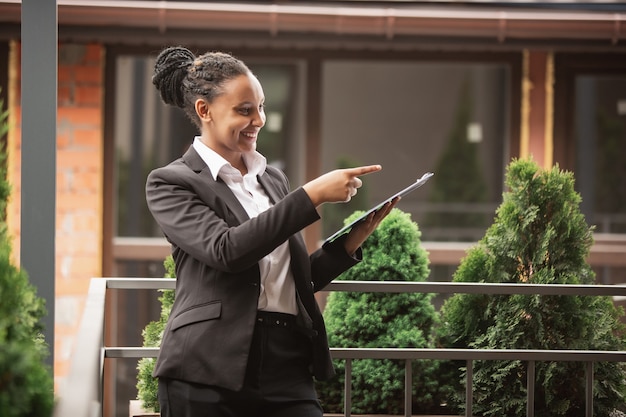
(380, 21)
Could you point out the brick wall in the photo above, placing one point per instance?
(79, 184)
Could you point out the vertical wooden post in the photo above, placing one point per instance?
(537, 107)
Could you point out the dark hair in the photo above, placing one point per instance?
(181, 77)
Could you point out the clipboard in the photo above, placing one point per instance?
(418, 183)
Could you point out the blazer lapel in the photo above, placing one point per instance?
(299, 253)
(219, 187)
(270, 188)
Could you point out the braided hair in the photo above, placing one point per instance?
(181, 77)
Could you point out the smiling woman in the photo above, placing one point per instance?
(245, 336)
(147, 133)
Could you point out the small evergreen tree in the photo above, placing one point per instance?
(147, 385)
(26, 383)
(377, 320)
(539, 237)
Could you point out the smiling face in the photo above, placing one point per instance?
(231, 122)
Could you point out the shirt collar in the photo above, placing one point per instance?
(255, 162)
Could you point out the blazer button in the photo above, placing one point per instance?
(312, 285)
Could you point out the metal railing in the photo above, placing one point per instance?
(85, 381)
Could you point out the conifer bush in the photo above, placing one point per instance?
(539, 236)
(26, 383)
(147, 385)
(382, 320)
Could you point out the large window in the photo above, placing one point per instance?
(599, 126)
(413, 117)
(590, 139)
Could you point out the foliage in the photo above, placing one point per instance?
(539, 237)
(376, 320)
(147, 385)
(26, 383)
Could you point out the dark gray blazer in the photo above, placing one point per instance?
(216, 247)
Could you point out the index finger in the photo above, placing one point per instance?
(363, 170)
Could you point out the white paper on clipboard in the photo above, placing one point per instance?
(420, 181)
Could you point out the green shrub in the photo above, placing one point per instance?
(147, 385)
(539, 237)
(26, 383)
(377, 320)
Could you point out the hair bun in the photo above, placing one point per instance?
(170, 71)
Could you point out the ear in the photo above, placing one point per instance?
(203, 111)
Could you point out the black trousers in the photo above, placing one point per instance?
(278, 381)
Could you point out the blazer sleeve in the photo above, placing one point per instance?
(330, 261)
(197, 215)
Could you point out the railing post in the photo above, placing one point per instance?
(589, 390)
(408, 390)
(469, 396)
(530, 389)
(347, 389)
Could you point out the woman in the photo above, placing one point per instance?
(245, 336)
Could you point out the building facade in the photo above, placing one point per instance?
(459, 90)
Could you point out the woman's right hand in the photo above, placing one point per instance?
(337, 186)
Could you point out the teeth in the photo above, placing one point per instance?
(250, 135)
